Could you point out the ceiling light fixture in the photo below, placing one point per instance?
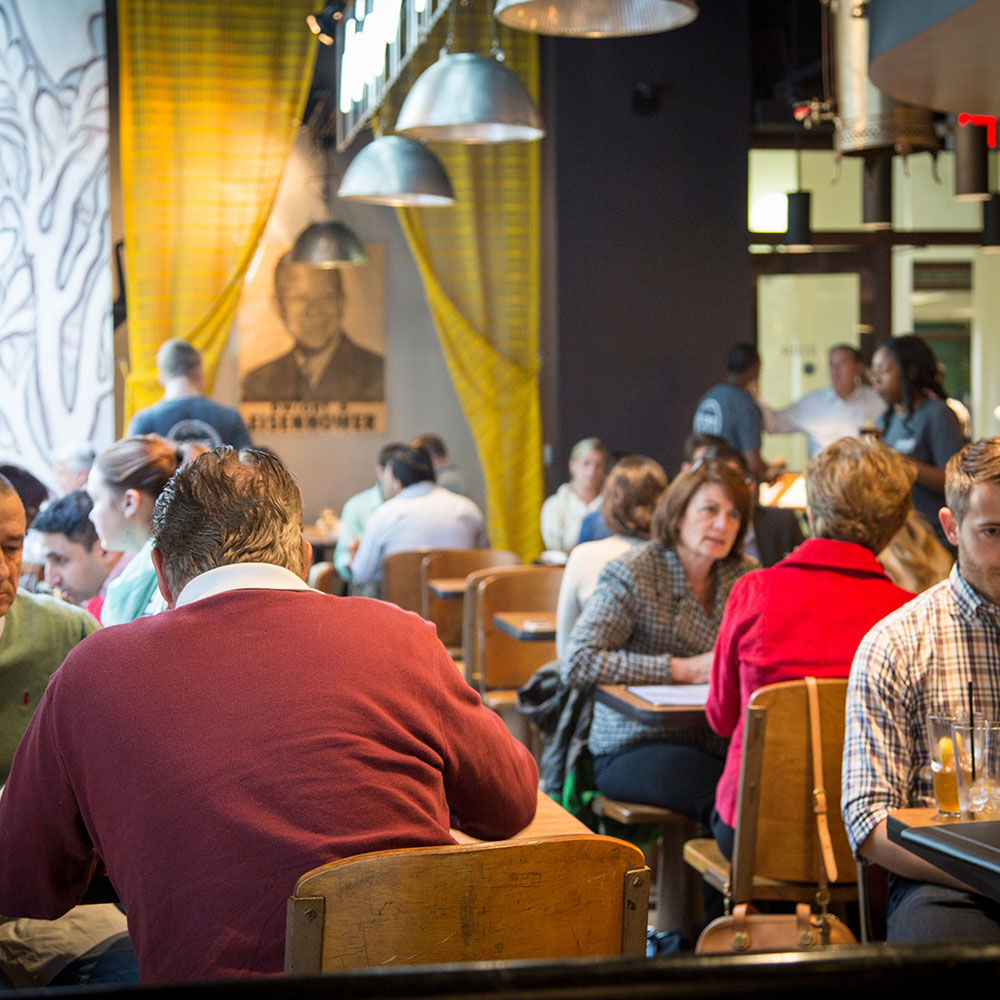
(394, 170)
(596, 18)
(324, 24)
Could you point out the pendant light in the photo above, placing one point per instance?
(330, 243)
(394, 170)
(798, 237)
(472, 98)
(596, 18)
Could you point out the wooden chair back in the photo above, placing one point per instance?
(555, 897)
(444, 612)
(775, 822)
(504, 662)
(323, 577)
(401, 579)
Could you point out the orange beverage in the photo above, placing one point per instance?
(945, 787)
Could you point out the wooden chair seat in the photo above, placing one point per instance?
(704, 856)
(678, 901)
(553, 897)
(400, 583)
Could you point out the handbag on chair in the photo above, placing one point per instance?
(743, 931)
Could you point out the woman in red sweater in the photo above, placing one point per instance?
(806, 615)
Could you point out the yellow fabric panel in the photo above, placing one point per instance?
(211, 95)
(479, 261)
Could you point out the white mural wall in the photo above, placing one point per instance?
(56, 360)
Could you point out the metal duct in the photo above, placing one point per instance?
(868, 118)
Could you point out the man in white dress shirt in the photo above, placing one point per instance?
(420, 515)
(839, 410)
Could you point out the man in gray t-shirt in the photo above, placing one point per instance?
(729, 411)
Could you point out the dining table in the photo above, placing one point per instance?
(679, 706)
(527, 626)
(969, 851)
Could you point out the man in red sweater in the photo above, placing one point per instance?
(212, 754)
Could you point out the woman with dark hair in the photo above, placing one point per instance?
(806, 615)
(124, 483)
(653, 619)
(630, 493)
(918, 423)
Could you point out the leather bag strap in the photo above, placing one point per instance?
(828, 862)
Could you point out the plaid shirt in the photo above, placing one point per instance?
(642, 615)
(915, 662)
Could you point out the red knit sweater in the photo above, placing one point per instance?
(214, 753)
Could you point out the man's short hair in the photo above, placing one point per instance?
(412, 465)
(858, 490)
(850, 348)
(713, 446)
(330, 275)
(177, 357)
(386, 452)
(69, 516)
(741, 358)
(228, 507)
(432, 444)
(978, 462)
(78, 458)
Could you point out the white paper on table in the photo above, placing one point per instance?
(671, 694)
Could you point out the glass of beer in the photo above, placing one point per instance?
(943, 768)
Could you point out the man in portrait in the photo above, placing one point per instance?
(325, 365)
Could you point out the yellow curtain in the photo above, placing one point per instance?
(211, 95)
(480, 267)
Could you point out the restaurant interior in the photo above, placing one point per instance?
(590, 280)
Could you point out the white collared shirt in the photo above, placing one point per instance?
(824, 417)
(239, 576)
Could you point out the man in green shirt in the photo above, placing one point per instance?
(88, 944)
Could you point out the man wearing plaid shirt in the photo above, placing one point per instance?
(917, 661)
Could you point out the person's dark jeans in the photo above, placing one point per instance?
(724, 835)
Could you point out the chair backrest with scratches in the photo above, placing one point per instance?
(555, 897)
(775, 822)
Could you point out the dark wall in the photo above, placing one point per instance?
(649, 253)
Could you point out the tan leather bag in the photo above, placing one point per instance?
(744, 932)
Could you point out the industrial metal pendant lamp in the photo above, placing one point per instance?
(394, 170)
(596, 18)
(327, 245)
(472, 98)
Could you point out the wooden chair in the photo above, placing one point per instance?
(500, 663)
(401, 579)
(447, 613)
(775, 853)
(323, 577)
(555, 897)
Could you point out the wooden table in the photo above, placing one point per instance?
(551, 820)
(633, 706)
(966, 851)
(323, 542)
(527, 626)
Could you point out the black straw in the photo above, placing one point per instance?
(972, 729)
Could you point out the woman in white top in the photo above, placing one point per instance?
(630, 494)
(563, 512)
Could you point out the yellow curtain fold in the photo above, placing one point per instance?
(479, 262)
(212, 92)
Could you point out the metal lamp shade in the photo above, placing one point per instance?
(466, 97)
(596, 18)
(327, 244)
(393, 170)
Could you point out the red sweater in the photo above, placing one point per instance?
(805, 616)
(214, 753)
